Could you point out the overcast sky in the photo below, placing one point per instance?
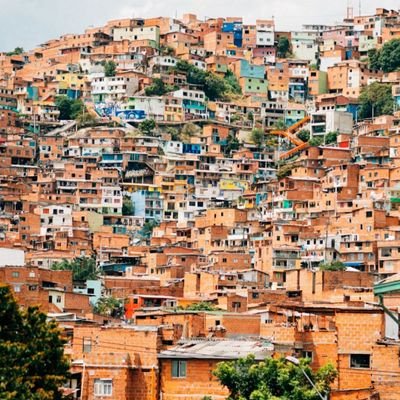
(28, 23)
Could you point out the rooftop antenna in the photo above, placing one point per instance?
(359, 8)
(350, 11)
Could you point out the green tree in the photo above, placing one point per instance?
(333, 266)
(257, 137)
(331, 137)
(109, 307)
(110, 68)
(158, 88)
(16, 52)
(247, 379)
(215, 87)
(147, 229)
(202, 306)
(285, 170)
(83, 268)
(127, 206)
(231, 145)
(232, 83)
(376, 99)
(304, 135)
(373, 59)
(32, 362)
(388, 58)
(316, 141)
(69, 108)
(85, 119)
(174, 133)
(280, 124)
(283, 47)
(147, 126)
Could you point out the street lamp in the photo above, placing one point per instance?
(296, 362)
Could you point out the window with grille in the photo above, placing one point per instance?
(103, 387)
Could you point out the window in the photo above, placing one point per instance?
(87, 344)
(103, 387)
(236, 304)
(360, 361)
(369, 214)
(15, 274)
(178, 369)
(307, 354)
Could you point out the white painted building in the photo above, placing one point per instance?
(54, 219)
(162, 62)
(305, 46)
(154, 107)
(325, 121)
(137, 33)
(112, 88)
(265, 33)
(111, 199)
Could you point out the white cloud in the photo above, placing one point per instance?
(28, 23)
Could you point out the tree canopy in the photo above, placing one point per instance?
(376, 99)
(283, 47)
(257, 137)
(332, 266)
(202, 306)
(69, 108)
(147, 126)
(32, 362)
(16, 52)
(331, 137)
(388, 58)
(127, 206)
(158, 88)
(304, 135)
(110, 68)
(215, 86)
(83, 268)
(247, 379)
(109, 307)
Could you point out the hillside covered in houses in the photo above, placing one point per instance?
(179, 192)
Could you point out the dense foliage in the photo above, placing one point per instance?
(215, 87)
(283, 47)
(127, 206)
(110, 68)
(147, 126)
(83, 268)
(257, 137)
(202, 306)
(109, 307)
(16, 52)
(333, 266)
(158, 88)
(32, 362)
(247, 379)
(69, 108)
(386, 59)
(376, 99)
(304, 135)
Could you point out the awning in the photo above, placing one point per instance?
(354, 264)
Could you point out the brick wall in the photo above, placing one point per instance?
(199, 382)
